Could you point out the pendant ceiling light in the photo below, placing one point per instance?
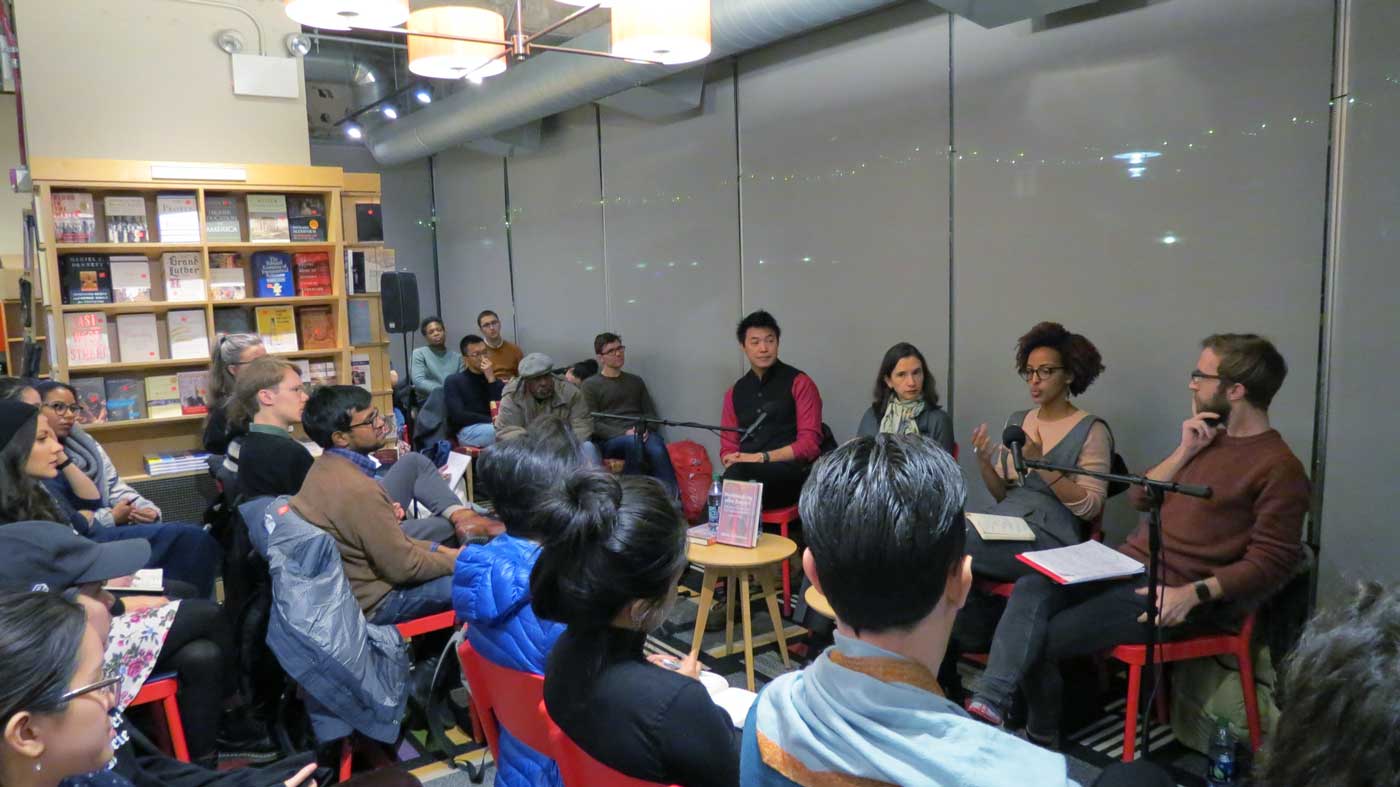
(452, 58)
(347, 14)
(663, 31)
(601, 4)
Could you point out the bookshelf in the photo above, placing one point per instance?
(364, 188)
(128, 441)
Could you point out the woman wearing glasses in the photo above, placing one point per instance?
(1059, 508)
(232, 352)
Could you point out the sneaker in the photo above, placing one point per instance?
(242, 737)
(984, 711)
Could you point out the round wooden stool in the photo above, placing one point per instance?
(737, 565)
(818, 603)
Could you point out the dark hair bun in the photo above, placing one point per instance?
(586, 508)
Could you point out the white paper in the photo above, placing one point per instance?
(736, 702)
(1086, 562)
(455, 470)
(146, 580)
(995, 527)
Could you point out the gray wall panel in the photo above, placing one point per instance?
(843, 141)
(475, 267)
(1359, 540)
(671, 210)
(1221, 231)
(556, 232)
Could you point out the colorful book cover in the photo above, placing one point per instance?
(131, 280)
(739, 512)
(317, 328)
(306, 216)
(313, 271)
(73, 218)
(137, 338)
(87, 278)
(184, 279)
(126, 219)
(267, 218)
(126, 398)
(361, 327)
(359, 371)
(92, 395)
(272, 270)
(163, 396)
(194, 392)
(87, 337)
(178, 217)
(277, 326)
(189, 337)
(221, 219)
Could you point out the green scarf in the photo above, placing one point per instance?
(900, 416)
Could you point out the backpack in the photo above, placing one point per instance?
(693, 475)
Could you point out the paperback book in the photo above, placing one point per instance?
(87, 337)
(126, 219)
(87, 278)
(184, 281)
(163, 396)
(126, 398)
(221, 219)
(92, 396)
(131, 280)
(306, 217)
(73, 218)
(272, 270)
(267, 218)
(178, 217)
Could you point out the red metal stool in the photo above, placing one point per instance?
(163, 689)
(782, 517)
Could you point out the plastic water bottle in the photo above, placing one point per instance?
(1221, 766)
(716, 494)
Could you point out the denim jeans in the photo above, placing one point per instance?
(590, 454)
(477, 435)
(627, 447)
(407, 603)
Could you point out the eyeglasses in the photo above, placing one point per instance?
(476, 354)
(618, 350)
(65, 409)
(1197, 375)
(106, 685)
(1042, 374)
(375, 419)
(492, 324)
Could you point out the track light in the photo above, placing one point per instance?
(389, 111)
(423, 96)
(353, 131)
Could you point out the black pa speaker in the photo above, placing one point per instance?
(398, 296)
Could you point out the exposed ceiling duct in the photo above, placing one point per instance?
(550, 83)
(370, 78)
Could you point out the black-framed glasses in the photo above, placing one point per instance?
(106, 685)
(65, 409)
(375, 419)
(618, 350)
(1042, 373)
(1197, 375)
(477, 354)
(491, 324)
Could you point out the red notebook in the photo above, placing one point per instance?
(1090, 561)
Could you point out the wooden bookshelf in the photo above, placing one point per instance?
(127, 442)
(361, 187)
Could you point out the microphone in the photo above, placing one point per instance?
(762, 414)
(1014, 437)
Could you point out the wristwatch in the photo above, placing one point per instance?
(66, 462)
(1202, 591)
(765, 457)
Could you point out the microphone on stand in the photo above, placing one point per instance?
(762, 414)
(1014, 437)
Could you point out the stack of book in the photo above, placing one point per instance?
(171, 462)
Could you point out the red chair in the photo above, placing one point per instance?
(782, 517)
(1237, 645)
(578, 769)
(163, 689)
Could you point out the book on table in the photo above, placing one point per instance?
(995, 527)
(740, 508)
(701, 535)
(1090, 561)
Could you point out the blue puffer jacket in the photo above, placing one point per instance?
(491, 593)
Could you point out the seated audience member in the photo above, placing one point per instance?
(1056, 365)
(184, 552)
(581, 371)
(906, 399)
(267, 402)
(616, 392)
(433, 363)
(491, 584)
(505, 356)
(1339, 721)
(232, 352)
(469, 394)
(883, 517)
(535, 393)
(1225, 554)
(608, 571)
(394, 577)
(780, 450)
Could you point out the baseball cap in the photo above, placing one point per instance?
(47, 556)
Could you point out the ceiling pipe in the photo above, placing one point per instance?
(552, 82)
(370, 80)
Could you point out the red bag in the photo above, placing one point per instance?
(693, 474)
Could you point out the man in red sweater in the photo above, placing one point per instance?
(1221, 556)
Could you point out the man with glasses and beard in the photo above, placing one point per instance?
(505, 356)
(1222, 556)
(616, 392)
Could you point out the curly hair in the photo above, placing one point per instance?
(1079, 355)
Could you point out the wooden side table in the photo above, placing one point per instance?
(818, 603)
(737, 565)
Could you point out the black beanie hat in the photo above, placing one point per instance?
(13, 415)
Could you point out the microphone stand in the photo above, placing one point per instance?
(1156, 490)
(645, 426)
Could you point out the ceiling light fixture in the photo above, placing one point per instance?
(347, 14)
(423, 95)
(455, 48)
(353, 131)
(667, 31)
(390, 111)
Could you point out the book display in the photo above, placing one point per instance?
(126, 219)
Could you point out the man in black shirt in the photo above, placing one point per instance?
(268, 399)
(468, 395)
(616, 392)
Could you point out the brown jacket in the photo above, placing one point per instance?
(341, 500)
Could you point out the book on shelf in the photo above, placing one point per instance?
(355, 270)
(131, 279)
(272, 271)
(92, 397)
(313, 272)
(86, 278)
(321, 373)
(304, 369)
(361, 327)
(184, 279)
(221, 221)
(317, 328)
(189, 337)
(163, 396)
(126, 398)
(378, 262)
(360, 372)
(126, 219)
(369, 222)
(178, 217)
(1090, 561)
(228, 279)
(277, 326)
(739, 512)
(306, 217)
(267, 218)
(168, 462)
(73, 218)
(137, 338)
(194, 392)
(88, 338)
(235, 320)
